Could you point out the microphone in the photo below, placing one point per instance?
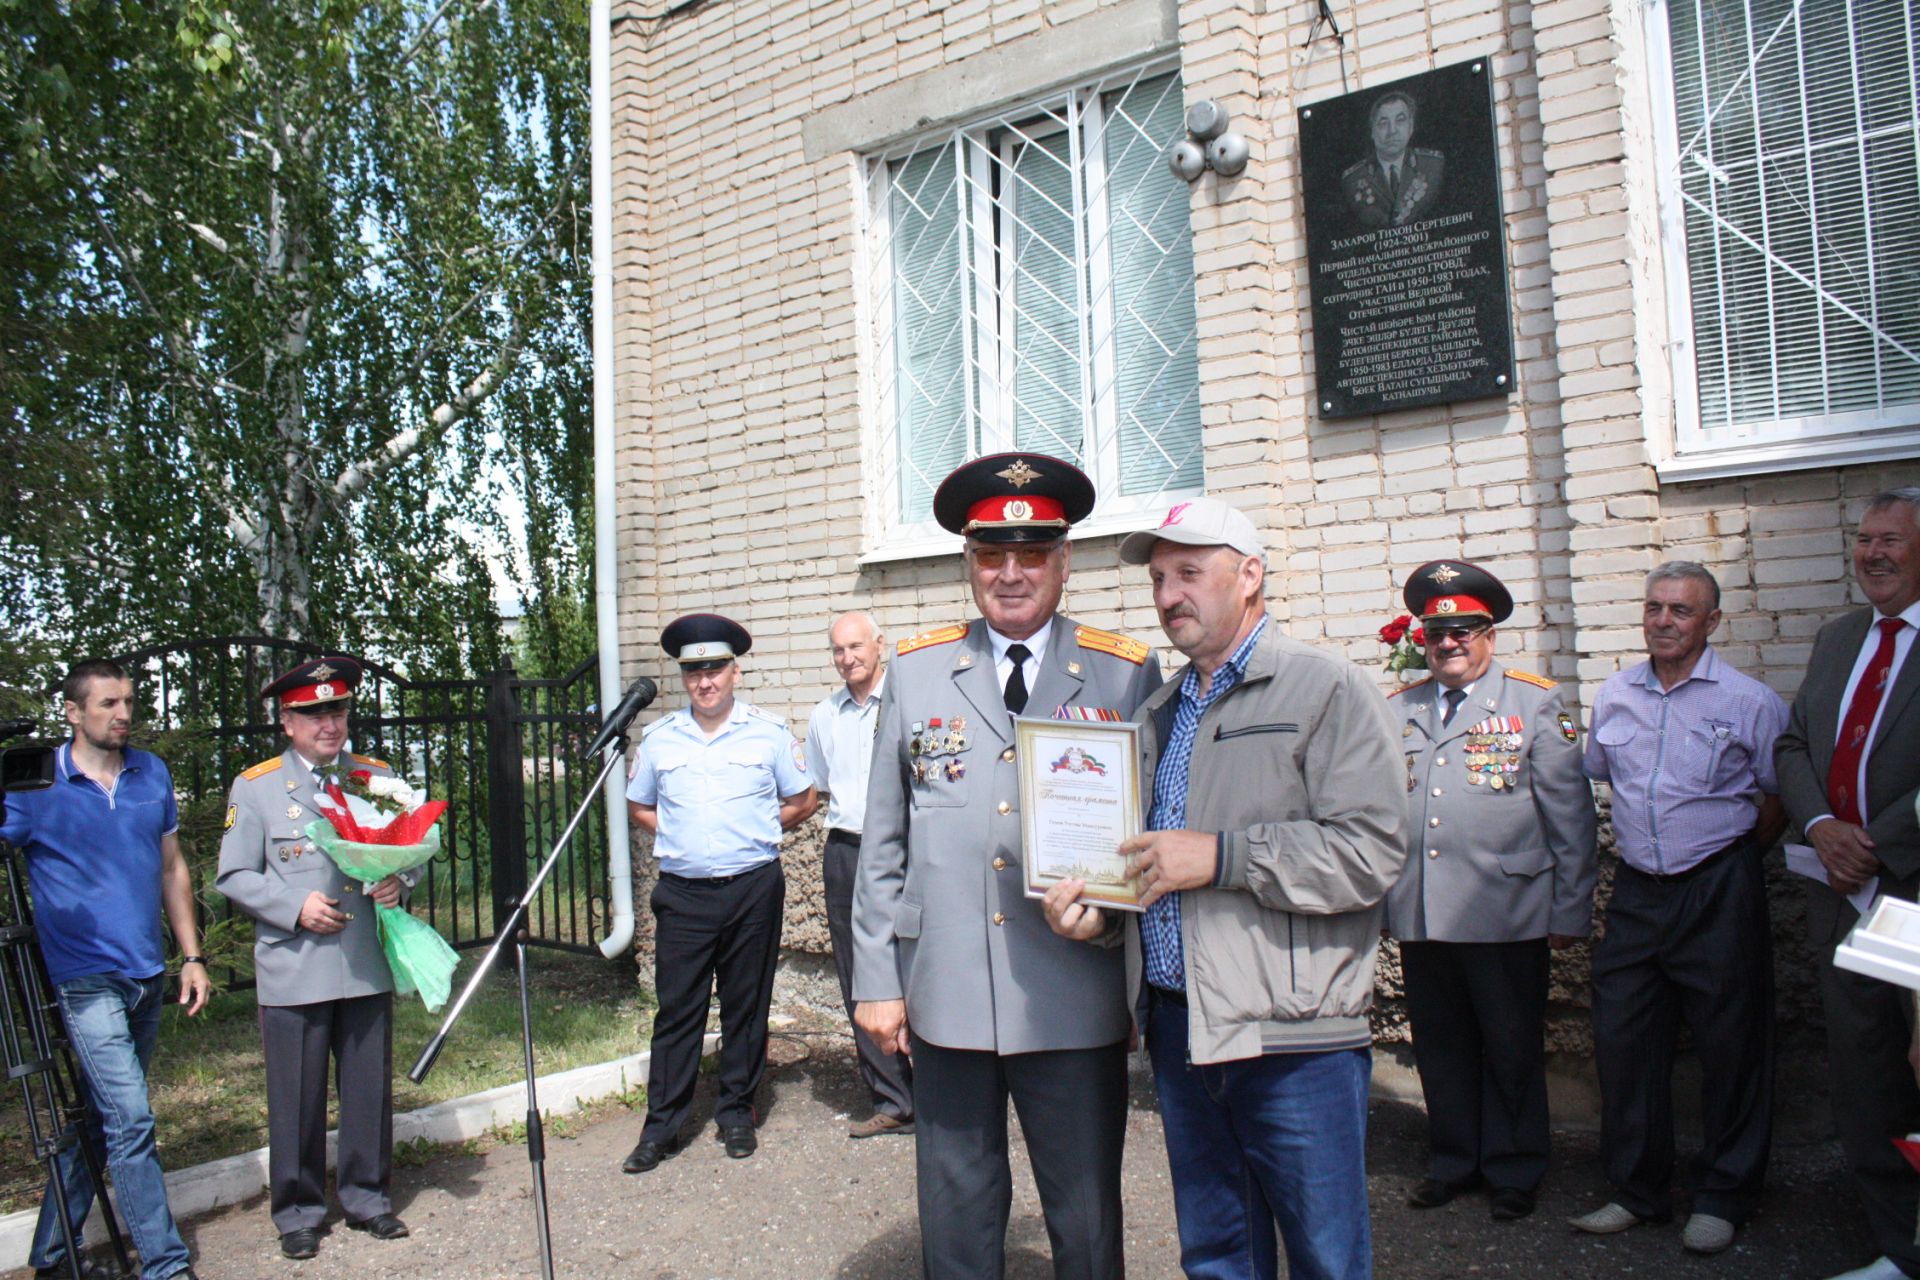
(643, 692)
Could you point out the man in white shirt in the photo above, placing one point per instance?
(839, 756)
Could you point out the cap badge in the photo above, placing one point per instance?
(1019, 475)
(1445, 604)
(1443, 575)
(322, 672)
(323, 691)
(1018, 510)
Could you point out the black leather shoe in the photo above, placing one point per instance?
(739, 1140)
(381, 1226)
(1431, 1193)
(1510, 1204)
(300, 1245)
(647, 1155)
(89, 1270)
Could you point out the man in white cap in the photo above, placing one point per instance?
(1270, 849)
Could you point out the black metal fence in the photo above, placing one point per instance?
(504, 752)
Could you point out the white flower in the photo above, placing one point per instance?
(396, 789)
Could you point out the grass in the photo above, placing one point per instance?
(208, 1089)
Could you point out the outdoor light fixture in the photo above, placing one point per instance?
(1208, 144)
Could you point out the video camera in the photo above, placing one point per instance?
(27, 767)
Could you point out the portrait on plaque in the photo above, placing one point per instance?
(1405, 244)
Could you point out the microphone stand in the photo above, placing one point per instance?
(514, 928)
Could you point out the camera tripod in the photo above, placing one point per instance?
(38, 1057)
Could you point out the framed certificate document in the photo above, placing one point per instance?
(1079, 798)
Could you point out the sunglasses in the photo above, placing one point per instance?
(1459, 635)
(1025, 557)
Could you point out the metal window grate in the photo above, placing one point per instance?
(1793, 193)
(1030, 285)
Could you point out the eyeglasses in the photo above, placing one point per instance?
(1025, 557)
(1459, 635)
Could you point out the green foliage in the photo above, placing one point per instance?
(293, 303)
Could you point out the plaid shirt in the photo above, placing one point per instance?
(1160, 926)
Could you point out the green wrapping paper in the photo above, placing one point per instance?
(420, 958)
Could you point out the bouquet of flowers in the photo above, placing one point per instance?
(379, 827)
(1409, 644)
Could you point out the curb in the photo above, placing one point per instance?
(218, 1183)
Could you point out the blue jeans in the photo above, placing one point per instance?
(1280, 1137)
(113, 1023)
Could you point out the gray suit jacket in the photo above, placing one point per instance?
(1487, 864)
(267, 869)
(1804, 753)
(940, 913)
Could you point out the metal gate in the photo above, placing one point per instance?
(503, 751)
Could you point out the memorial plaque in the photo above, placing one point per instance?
(1405, 244)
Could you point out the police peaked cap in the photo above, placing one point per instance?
(1443, 590)
(1013, 497)
(704, 641)
(314, 683)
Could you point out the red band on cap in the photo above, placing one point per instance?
(1453, 606)
(324, 691)
(1015, 510)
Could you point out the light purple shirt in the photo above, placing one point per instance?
(1687, 765)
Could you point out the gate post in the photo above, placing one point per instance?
(506, 793)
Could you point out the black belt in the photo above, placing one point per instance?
(1168, 994)
(1711, 860)
(699, 881)
(843, 833)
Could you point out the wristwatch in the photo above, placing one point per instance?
(199, 960)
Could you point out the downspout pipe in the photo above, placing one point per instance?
(606, 586)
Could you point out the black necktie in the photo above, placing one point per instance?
(1454, 698)
(1017, 654)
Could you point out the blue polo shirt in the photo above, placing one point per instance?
(93, 860)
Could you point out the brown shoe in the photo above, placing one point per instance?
(880, 1124)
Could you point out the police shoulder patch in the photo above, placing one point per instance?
(1124, 647)
(1417, 684)
(1567, 729)
(264, 768)
(928, 639)
(233, 816)
(360, 759)
(1528, 677)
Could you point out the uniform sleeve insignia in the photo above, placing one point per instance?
(1123, 647)
(1528, 677)
(264, 768)
(1567, 729)
(1417, 684)
(233, 816)
(360, 759)
(927, 639)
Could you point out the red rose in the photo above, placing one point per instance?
(1391, 633)
(1419, 637)
(362, 776)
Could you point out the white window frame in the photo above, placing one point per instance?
(1784, 444)
(990, 394)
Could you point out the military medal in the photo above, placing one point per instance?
(292, 783)
(956, 770)
(293, 811)
(1496, 781)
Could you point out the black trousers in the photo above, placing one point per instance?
(300, 1041)
(1698, 948)
(1478, 1014)
(725, 929)
(1072, 1105)
(889, 1077)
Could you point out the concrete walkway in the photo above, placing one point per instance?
(814, 1204)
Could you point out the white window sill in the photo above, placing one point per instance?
(1898, 445)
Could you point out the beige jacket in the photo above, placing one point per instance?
(1297, 768)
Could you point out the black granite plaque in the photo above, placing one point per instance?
(1405, 244)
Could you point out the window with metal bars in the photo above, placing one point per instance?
(1790, 206)
(1030, 286)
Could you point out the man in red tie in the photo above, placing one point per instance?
(1849, 766)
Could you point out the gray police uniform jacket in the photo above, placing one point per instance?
(268, 866)
(1510, 856)
(940, 912)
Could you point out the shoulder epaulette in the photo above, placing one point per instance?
(1124, 647)
(1428, 151)
(768, 716)
(1529, 677)
(655, 725)
(1356, 167)
(264, 768)
(927, 639)
(360, 759)
(1415, 685)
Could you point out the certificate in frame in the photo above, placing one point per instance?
(1079, 798)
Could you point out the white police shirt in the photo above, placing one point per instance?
(719, 796)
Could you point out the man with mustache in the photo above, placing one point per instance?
(1686, 744)
(953, 962)
(1271, 846)
(1500, 871)
(1849, 765)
